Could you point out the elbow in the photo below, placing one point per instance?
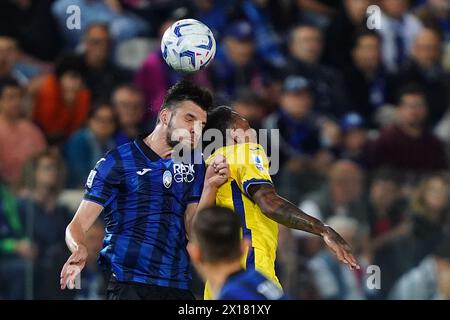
(268, 207)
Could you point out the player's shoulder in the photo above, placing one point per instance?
(115, 155)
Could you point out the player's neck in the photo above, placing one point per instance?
(157, 142)
(217, 274)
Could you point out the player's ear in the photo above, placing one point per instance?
(194, 252)
(234, 135)
(164, 116)
(245, 245)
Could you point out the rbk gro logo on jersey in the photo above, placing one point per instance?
(183, 172)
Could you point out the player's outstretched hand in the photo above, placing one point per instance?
(340, 248)
(72, 268)
(217, 172)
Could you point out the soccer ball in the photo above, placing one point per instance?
(188, 45)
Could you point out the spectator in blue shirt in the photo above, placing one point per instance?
(89, 144)
(298, 125)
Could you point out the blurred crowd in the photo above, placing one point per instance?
(364, 120)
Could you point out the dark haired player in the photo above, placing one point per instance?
(216, 248)
(148, 200)
(251, 195)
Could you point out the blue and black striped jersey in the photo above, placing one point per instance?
(144, 199)
(250, 285)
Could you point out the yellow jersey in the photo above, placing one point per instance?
(249, 165)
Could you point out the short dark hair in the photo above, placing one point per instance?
(220, 118)
(70, 63)
(217, 231)
(250, 97)
(93, 25)
(360, 33)
(410, 89)
(302, 26)
(386, 174)
(28, 178)
(8, 82)
(185, 90)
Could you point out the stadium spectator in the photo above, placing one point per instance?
(342, 31)
(155, 77)
(15, 249)
(33, 26)
(341, 195)
(318, 12)
(429, 280)
(332, 279)
(61, 102)
(128, 102)
(365, 77)
(425, 68)
(354, 139)
(19, 137)
(305, 49)
(9, 53)
(251, 107)
(122, 24)
(388, 207)
(102, 76)
(434, 14)
(429, 214)
(399, 30)
(40, 212)
(296, 120)
(211, 13)
(267, 42)
(236, 64)
(408, 145)
(87, 145)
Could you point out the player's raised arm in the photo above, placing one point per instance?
(76, 231)
(216, 174)
(287, 214)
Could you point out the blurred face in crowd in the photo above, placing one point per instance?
(184, 124)
(355, 139)
(254, 113)
(97, 44)
(427, 49)
(383, 194)
(356, 9)
(240, 52)
(412, 110)
(204, 5)
(436, 194)
(440, 6)
(129, 106)
(47, 175)
(348, 231)
(102, 123)
(297, 104)
(71, 83)
(346, 182)
(306, 44)
(395, 8)
(11, 102)
(8, 55)
(367, 53)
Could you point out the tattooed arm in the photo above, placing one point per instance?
(287, 214)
